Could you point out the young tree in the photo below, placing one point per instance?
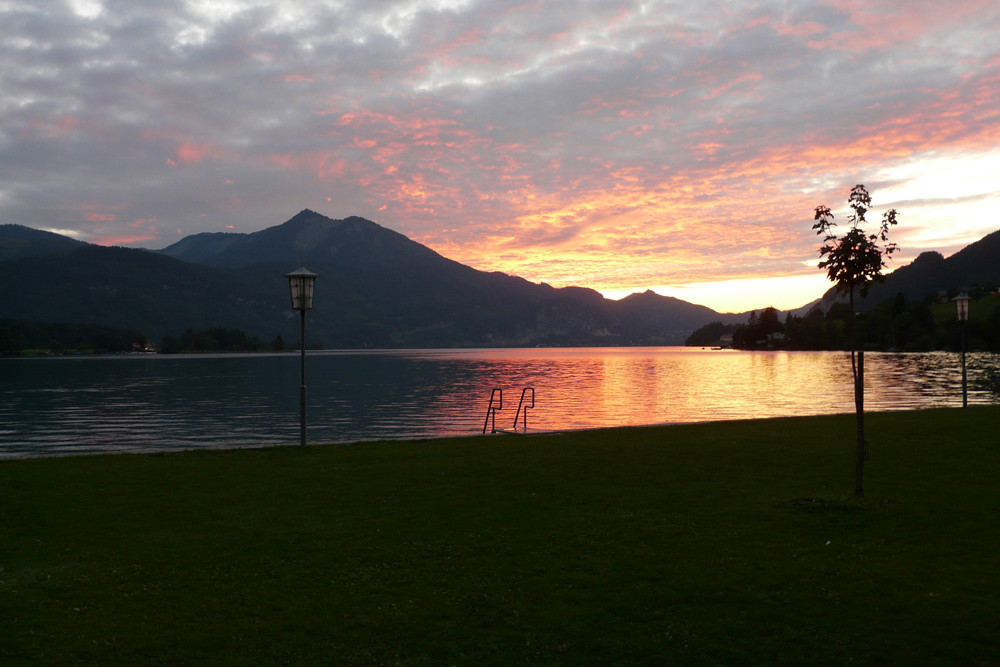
(853, 262)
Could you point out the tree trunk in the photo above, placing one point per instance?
(859, 407)
(858, 368)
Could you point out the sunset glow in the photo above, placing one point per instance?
(622, 146)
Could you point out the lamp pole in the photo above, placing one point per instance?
(962, 303)
(302, 385)
(302, 284)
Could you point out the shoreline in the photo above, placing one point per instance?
(160, 451)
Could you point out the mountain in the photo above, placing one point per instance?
(650, 311)
(133, 289)
(18, 241)
(310, 238)
(377, 289)
(930, 272)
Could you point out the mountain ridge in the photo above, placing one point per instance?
(309, 234)
(18, 241)
(378, 289)
(931, 272)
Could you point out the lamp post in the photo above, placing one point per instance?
(962, 302)
(302, 283)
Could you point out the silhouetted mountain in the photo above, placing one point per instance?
(649, 311)
(309, 238)
(136, 289)
(976, 264)
(377, 289)
(17, 241)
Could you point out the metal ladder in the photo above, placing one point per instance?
(491, 411)
(496, 403)
(526, 407)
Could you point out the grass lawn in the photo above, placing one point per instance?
(720, 543)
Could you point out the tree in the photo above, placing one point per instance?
(853, 262)
(170, 344)
(769, 323)
(710, 334)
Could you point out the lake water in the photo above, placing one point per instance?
(155, 403)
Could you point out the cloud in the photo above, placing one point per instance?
(615, 144)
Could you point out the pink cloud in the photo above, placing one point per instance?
(100, 217)
(892, 23)
(59, 127)
(802, 29)
(185, 151)
(125, 239)
(445, 52)
(143, 222)
(195, 152)
(324, 165)
(96, 213)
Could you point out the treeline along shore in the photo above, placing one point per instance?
(897, 324)
(716, 543)
(21, 338)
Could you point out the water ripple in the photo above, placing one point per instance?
(122, 404)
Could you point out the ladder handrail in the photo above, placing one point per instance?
(492, 411)
(526, 407)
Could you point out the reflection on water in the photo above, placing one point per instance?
(84, 405)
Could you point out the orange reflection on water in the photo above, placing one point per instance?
(165, 402)
(602, 387)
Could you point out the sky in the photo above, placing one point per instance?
(619, 145)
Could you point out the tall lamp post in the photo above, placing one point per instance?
(962, 302)
(302, 283)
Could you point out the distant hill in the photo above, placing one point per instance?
(377, 289)
(976, 264)
(18, 241)
(134, 289)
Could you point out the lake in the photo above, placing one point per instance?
(84, 405)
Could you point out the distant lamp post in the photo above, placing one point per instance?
(962, 302)
(302, 283)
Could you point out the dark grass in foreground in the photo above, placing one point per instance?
(713, 543)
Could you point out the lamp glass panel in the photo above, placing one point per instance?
(302, 284)
(308, 289)
(963, 309)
